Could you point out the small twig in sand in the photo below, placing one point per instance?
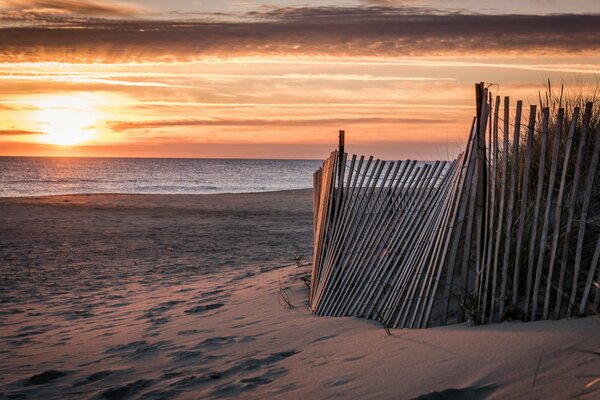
(470, 309)
(298, 259)
(306, 280)
(283, 298)
(386, 328)
(592, 383)
(596, 377)
(537, 369)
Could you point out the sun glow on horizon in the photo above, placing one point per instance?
(66, 120)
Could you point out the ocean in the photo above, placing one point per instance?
(38, 176)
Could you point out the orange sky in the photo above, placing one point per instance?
(90, 78)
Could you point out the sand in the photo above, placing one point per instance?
(178, 296)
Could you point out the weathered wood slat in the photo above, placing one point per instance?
(324, 215)
(418, 258)
(503, 184)
(493, 226)
(440, 245)
(536, 212)
(524, 204)
(341, 241)
(408, 234)
(372, 264)
(446, 235)
(467, 181)
(366, 244)
(583, 219)
(362, 235)
(588, 284)
(587, 115)
(354, 231)
(408, 276)
(548, 209)
(558, 211)
(511, 203)
(399, 241)
(367, 300)
(404, 235)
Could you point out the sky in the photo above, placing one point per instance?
(275, 79)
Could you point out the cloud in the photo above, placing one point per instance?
(153, 124)
(79, 7)
(304, 31)
(17, 132)
(387, 2)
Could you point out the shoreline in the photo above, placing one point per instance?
(148, 194)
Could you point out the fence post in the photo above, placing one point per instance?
(341, 164)
(481, 163)
(478, 101)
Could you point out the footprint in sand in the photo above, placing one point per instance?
(203, 308)
(44, 377)
(215, 342)
(139, 349)
(468, 393)
(339, 381)
(161, 308)
(93, 378)
(122, 392)
(322, 338)
(185, 355)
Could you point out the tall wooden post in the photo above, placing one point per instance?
(481, 164)
(341, 157)
(478, 101)
(341, 163)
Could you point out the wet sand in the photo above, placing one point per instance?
(179, 296)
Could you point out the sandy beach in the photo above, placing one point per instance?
(179, 296)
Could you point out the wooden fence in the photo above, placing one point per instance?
(508, 230)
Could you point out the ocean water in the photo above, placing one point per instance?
(36, 176)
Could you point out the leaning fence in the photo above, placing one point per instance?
(508, 230)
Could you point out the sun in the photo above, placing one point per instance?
(66, 120)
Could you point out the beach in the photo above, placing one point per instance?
(181, 296)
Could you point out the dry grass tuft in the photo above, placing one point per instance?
(284, 297)
(569, 98)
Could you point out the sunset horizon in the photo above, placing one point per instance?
(275, 79)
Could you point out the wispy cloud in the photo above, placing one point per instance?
(17, 132)
(68, 7)
(134, 125)
(323, 31)
(84, 79)
(387, 2)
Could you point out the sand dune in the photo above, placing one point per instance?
(160, 296)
